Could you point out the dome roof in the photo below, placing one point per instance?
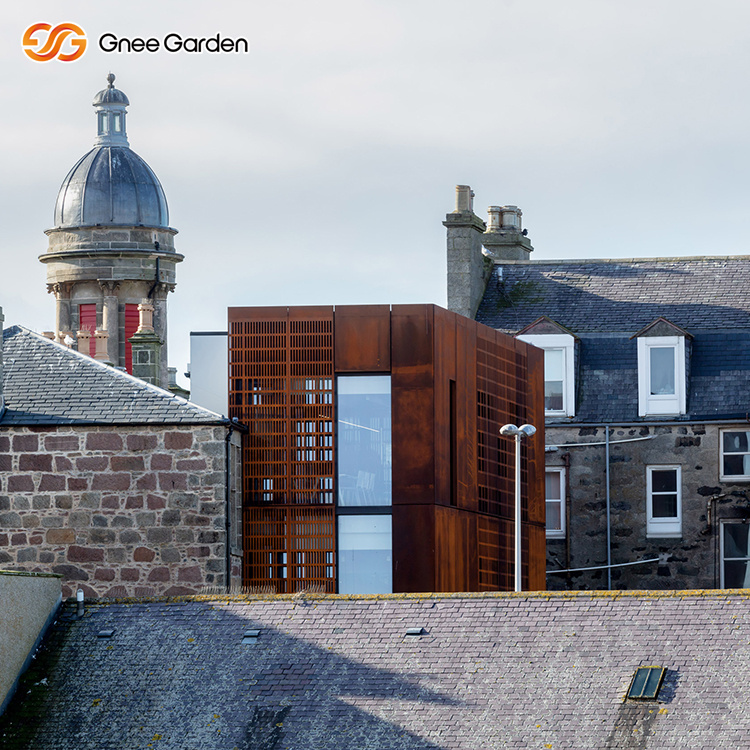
(111, 95)
(111, 185)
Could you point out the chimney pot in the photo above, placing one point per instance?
(101, 338)
(145, 317)
(464, 199)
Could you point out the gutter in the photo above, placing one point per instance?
(733, 418)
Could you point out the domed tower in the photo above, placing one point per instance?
(111, 247)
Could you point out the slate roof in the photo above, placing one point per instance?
(539, 670)
(605, 302)
(619, 295)
(45, 383)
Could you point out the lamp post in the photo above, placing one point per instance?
(519, 433)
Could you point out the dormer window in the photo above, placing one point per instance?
(559, 365)
(661, 369)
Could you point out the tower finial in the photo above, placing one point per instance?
(111, 80)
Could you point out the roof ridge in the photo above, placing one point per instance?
(656, 259)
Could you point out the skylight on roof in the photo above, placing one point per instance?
(646, 683)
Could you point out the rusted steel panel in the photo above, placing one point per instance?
(456, 558)
(362, 335)
(413, 454)
(412, 351)
(413, 548)
(466, 411)
(535, 415)
(282, 312)
(447, 444)
(412, 404)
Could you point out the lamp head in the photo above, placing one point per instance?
(527, 430)
(509, 430)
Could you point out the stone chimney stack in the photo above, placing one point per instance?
(2, 399)
(147, 347)
(505, 238)
(468, 271)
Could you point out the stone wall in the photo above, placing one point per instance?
(694, 559)
(117, 511)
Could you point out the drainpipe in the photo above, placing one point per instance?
(566, 510)
(609, 545)
(156, 275)
(228, 506)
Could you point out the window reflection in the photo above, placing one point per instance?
(364, 555)
(554, 361)
(662, 371)
(736, 554)
(364, 440)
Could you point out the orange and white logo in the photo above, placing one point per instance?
(42, 43)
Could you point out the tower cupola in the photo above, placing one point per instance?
(111, 247)
(111, 108)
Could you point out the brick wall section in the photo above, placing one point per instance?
(118, 511)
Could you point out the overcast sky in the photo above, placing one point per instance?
(317, 168)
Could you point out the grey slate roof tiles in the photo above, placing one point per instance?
(539, 670)
(45, 383)
(619, 295)
(605, 302)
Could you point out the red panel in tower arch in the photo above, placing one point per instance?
(87, 322)
(131, 326)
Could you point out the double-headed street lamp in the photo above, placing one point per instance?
(519, 433)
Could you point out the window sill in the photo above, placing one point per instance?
(663, 535)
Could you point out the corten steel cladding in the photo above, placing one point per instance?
(454, 383)
(281, 386)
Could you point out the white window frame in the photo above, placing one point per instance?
(663, 528)
(724, 558)
(722, 475)
(649, 404)
(556, 533)
(566, 343)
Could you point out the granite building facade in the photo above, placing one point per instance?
(647, 394)
(116, 485)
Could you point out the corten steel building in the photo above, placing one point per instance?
(373, 462)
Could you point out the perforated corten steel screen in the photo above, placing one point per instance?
(289, 548)
(501, 399)
(281, 386)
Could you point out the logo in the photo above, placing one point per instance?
(43, 47)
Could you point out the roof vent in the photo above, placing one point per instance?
(414, 632)
(646, 683)
(250, 637)
(105, 633)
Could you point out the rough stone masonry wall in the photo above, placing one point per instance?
(117, 511)
(693, 559)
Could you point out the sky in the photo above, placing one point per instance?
(318, 167)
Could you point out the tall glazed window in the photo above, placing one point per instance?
(363, 430)
(365, 555)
